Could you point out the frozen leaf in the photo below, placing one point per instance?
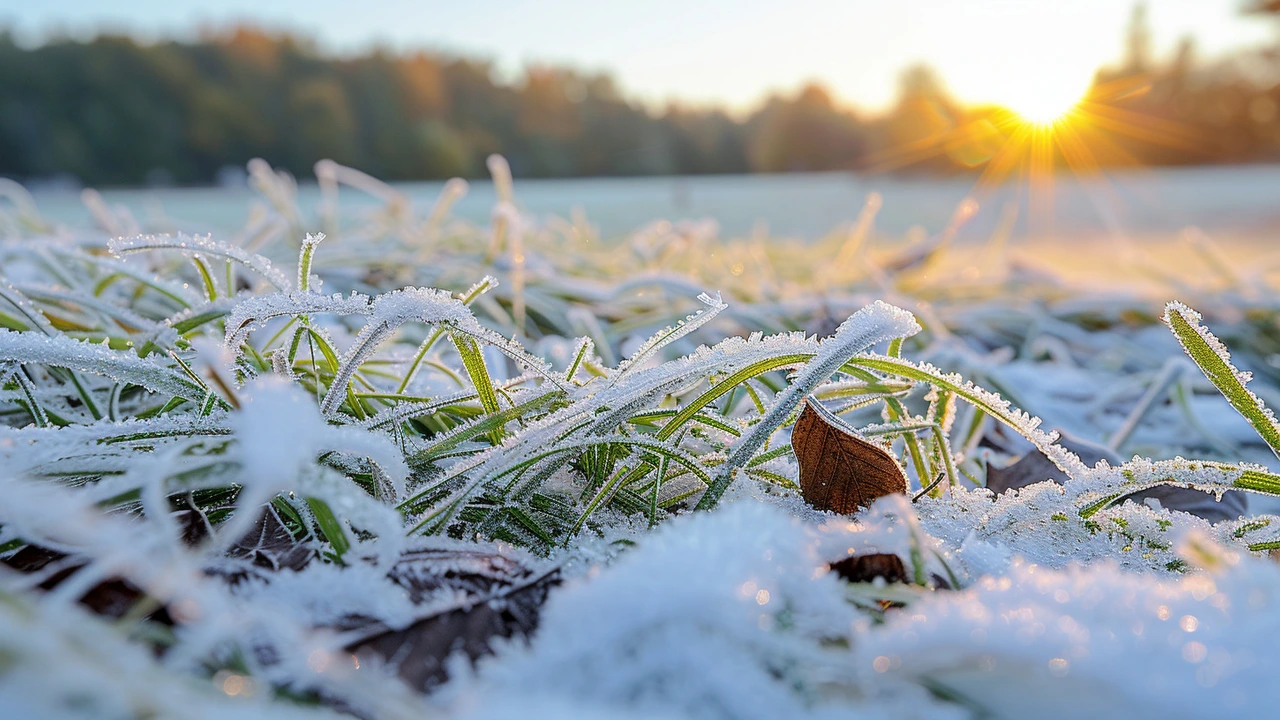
(112, 597)
(866, 568)
(840, 471)
(1034, 467)
(269, 545)
(875, 323)
(496, 597)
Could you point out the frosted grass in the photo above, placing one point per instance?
(460, 388)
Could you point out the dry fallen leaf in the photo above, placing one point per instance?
(470, 598)
(865, 568)
(840, 471)
(1034, 467)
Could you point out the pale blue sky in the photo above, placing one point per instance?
(729, 52)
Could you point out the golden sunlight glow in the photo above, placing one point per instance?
(1040, 89)
(1051, 118)
(1045, 103)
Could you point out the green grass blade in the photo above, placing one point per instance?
(330, 526)
(724, 386)
(1211, 356)
(473, 361)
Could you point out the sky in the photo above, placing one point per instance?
(727, 52)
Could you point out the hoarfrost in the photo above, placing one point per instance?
(123, 366)
(727, 615)
(280, 432)
(202, 245)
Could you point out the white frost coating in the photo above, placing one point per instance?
(280, 433)
(1026, 424)
(388, 312)
(306, 280)
(109, 265)
(28, 311)
(1037, 642)
(122, 315)
(1043, 522)
(875, 323)
(101, 674)
(428, 305)
(1141, 473)
(726, 615)
(668, 335)
(561, 450)
(669, 606)
(206, 309)
(404, 411)
(1193, 319)
(601, 412)
(481, 286)
(201, 245)
(115, 432)
(208, 617)
(332, 594)
(253, 313)
(743, 624)
(714, 615)
(599, 409)
(125, 453)
(890, 525)
(119, 365)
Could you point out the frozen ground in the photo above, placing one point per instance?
(1140, 202)
(446, 467)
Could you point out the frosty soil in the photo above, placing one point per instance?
(415, 462)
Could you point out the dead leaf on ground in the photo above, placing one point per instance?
(840, 471)
(865, 568)
(1034, 467)
(112, 597)
(468, 598)
(496, 597)
(267, 546)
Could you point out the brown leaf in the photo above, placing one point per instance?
(112, 597)
(1034, 467)
(496, 597)
(269, 545)
(840, 471)
(865, 568)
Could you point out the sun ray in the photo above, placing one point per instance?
(1047, 132)
(1145, 127)
(1000, 166)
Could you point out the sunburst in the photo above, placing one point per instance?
(1032, 138)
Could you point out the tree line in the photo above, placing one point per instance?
(115, 111)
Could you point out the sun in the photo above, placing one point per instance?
(1033, 121)
(1045, 103)
(1044, 110)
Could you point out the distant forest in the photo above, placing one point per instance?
(113, 111)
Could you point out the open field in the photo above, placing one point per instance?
(276, 473)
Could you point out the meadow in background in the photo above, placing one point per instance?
(111, 110)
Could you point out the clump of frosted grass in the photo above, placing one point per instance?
(506, 389)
